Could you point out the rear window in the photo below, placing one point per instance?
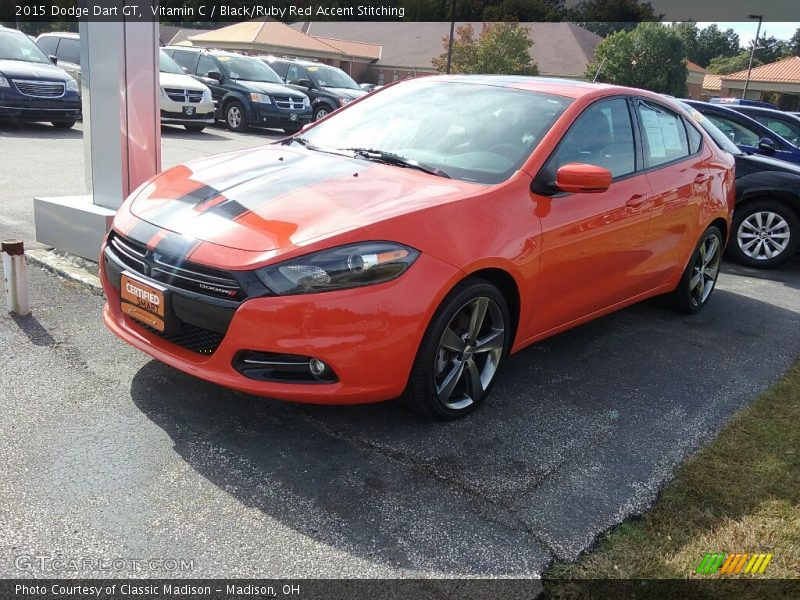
(186, 59)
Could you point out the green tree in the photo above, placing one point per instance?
(605, 17)
(652, 57)
(712, 43)
(794, 43)
(501, 48)
(769, 49)
(688, 32)
(722, 65)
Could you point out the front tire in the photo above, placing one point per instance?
(63, 124)
(766, 233)
(462, 349)
(700, 277)
(321, 112)
(236, 117)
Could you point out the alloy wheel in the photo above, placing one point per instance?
(234, 116)
(763, 235)
(321, 112)
(705, 270)
(469, 353)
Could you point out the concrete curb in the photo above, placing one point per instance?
(62, 266)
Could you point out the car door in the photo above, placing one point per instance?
(205, 65)
(676, 163)
(593, 243)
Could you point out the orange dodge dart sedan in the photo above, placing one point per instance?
(404, 245)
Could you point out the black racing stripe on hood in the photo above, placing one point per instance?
(142, 232)
(177, 245)
(252, 198)
(199, 195)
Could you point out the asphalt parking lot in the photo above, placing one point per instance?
(110, 454)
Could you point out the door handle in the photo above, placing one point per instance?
(636, 200)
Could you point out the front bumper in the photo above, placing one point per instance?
(26, 113)
(369, 336)
(174, 112)
(267, 115)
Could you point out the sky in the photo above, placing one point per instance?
(747, 30)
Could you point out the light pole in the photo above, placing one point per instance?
(752, 52)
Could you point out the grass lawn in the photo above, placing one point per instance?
(741, 493)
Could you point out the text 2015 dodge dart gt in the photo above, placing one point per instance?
(404, 245)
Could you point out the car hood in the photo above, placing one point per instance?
(345, 92)
(277, 197)
(31, 70)
(269, 88)
(175, 80)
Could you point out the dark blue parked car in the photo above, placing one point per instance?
(32, 88)
(750, 135)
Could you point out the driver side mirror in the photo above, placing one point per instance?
(766, 145)
(215, 75)
(53, 59)
(306, 83)
(582, 178)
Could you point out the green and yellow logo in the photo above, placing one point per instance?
(733, 564)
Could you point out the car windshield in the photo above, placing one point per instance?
(331, 77)
(720, 138)
(15, 46)
(473, 132)
(167, 65)
(249, 69)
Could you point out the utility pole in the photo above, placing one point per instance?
(752, 53)
(452, 30)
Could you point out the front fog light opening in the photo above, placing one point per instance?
(283, 368)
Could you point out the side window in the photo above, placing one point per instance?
(206, 64)
(293, 73)
(186, 59)
(695, 139)
(788, 131)
(663, 132)
(603, 136)
(736, 133)
(48, 44)
(280, 68)
(69, 50)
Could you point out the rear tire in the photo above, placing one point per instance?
(63, 124)
(194, 128)
(761, 228)
(700, 276)
(461, 352)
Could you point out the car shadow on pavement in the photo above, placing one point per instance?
(37, 131)
(581, 432)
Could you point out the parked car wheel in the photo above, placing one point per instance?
(64, 124)
(461, 351)
(700, 277)
(766, 233)
(321, 112)
(236, 116)
(194, 128)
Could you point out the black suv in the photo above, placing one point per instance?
(328, 87)
(32, 88)
(247, 93)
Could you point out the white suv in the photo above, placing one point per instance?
(184, 100)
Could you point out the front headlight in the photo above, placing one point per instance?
(72, 85)
(261, 98)
(207, 95)
(343, 101)
(350, 266)
(3, 81)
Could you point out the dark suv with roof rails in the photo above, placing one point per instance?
(246, 92)
(329, 88)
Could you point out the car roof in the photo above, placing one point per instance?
(766, 111)
(212, 51)
(66, 34)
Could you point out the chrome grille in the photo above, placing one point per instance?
(180, 95)
(173, 270)
(39, 89)
(289, 102)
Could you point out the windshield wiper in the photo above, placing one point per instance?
(395, 159)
